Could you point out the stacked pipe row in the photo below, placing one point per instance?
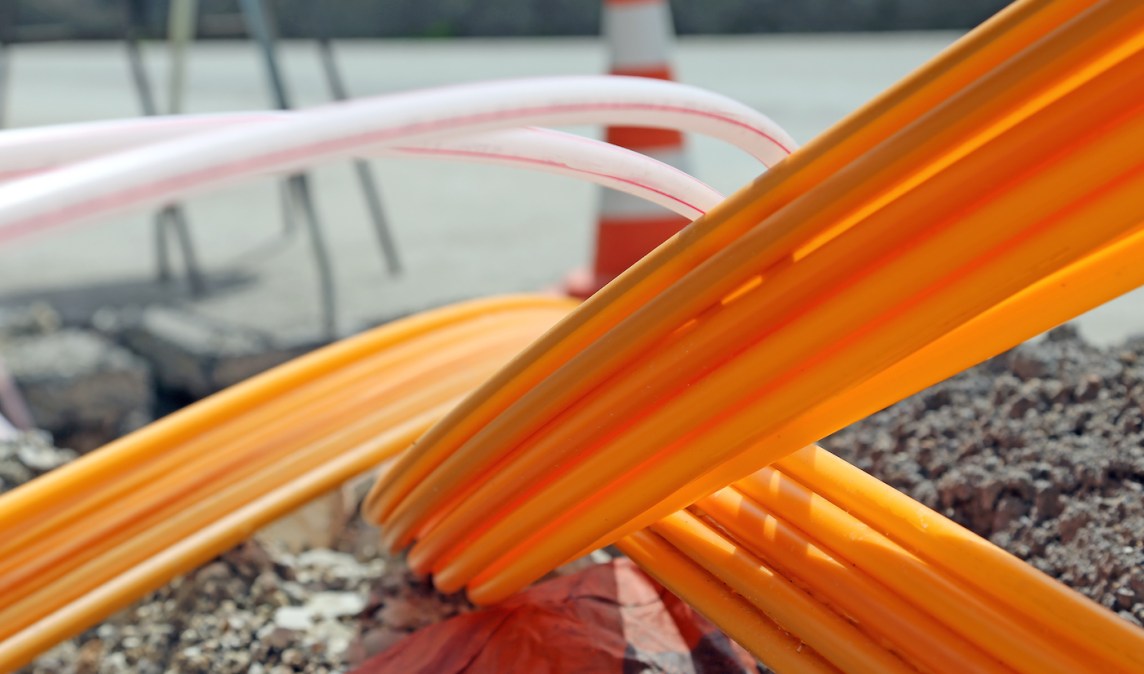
(92, 536)
(845, 572)
(1012, 159)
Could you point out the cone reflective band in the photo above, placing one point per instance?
(639, 34)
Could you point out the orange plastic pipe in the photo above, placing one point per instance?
(1001, 37)
(833, 637)
(1016, 639)
(893, 623)
(1073, 178)
(646, 484)
(1102, 37)
(972, 560)
(244, 470)
(768, 642)
(1109, 273)
(198, 548)
(87, 473)
(301, 403)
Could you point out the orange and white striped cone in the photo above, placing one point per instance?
(639, 35)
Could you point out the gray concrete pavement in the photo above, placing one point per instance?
(463, 230)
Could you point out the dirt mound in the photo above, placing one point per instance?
(1040, 449)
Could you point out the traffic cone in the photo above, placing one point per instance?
(639, 35)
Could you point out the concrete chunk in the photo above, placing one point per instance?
(195, 356)
(80, 386)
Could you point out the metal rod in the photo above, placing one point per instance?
(12, 401)
(180, 33)
(300, 187)
(362, 168)
(171, 216)
(255, 12)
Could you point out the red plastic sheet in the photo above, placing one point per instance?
(609, 618)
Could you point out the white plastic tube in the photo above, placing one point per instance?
(164, 171)
(32, 151)
(575, 156)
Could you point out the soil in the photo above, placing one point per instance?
(1040, 450)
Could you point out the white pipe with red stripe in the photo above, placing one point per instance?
(163, 171)
(536, 149)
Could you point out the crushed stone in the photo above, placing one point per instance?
(1040, 450)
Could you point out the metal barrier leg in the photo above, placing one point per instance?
(5, 66)
(362, 167)
(172, 216)
(299, 187)
(257, 19)
(162, 249)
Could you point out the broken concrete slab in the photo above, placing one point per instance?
(37, 318)
(83, 388)
(27, 455)
(194, 356)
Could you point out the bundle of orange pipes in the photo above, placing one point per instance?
(921, 236)
(846, 573)
(991, 195)
(95, 535)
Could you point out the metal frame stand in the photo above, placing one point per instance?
(297, 187)
(362, 168)
(171, 220)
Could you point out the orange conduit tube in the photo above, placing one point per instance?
(1114, 270)
(609, 352)
(1012, 30)
(638, 484)
(142, 524)
(970, 559)
(1098, 278)
(198, 548)
(741, 621)
(1014, 639)
(86, 475)
(324, 395)
(893, 622)
(1101, 98)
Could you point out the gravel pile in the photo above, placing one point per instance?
(260, 609)
(1040, 450)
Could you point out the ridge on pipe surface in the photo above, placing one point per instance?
(793, 530)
